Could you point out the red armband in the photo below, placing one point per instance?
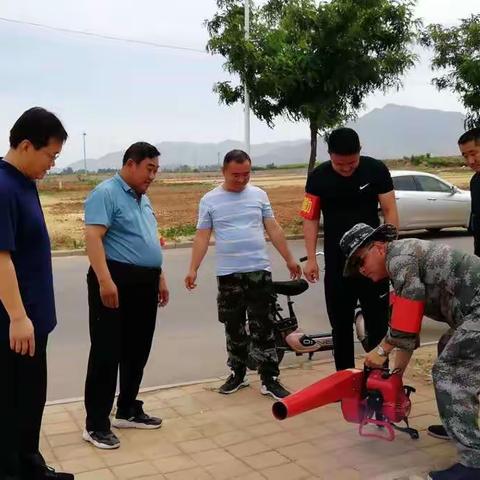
(310, 207)
(406, 314)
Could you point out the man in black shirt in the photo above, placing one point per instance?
(469, 144)
(27, 302)
(347, 190)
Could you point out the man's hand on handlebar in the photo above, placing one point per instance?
(295, 269)
(311, 271)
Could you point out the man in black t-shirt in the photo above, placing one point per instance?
(469, 144)
(347, 190)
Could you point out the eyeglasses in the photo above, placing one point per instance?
(51, 156)
(359, 260)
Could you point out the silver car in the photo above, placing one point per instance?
(427, 201)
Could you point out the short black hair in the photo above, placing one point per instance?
(139, 151)
(238, 156)
(38, 126)
(472, 135)
(343, 141)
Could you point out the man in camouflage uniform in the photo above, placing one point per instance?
(444, 284)
(469, 145)
(239, 213)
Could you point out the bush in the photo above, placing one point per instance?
(428, 161)
(179, 231)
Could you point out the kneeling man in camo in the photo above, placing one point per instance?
(239, 213)
(444, 284)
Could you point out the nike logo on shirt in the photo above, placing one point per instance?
(363, 186)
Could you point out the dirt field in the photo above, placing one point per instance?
(175, 204)
(175, 199)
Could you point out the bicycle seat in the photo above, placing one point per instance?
(290, 287)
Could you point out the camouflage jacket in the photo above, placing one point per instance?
(446, 280)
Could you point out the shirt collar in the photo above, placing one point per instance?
(123, 183)
(128, 189)
(15, 171)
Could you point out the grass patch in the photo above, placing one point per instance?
(61, 241)
(295, 227)
(425, 161)
(179, 231)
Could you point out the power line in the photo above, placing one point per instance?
(101, 35)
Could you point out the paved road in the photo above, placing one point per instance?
(189, 341)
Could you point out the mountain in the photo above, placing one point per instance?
(393, 131)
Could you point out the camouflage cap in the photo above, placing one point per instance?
(360, 235)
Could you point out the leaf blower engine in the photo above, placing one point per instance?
(370, 397)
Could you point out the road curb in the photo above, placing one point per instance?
(189, 383)
(168, 246)
(303, 366)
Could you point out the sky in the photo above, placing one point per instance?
(119, 92)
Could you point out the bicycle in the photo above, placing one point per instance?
(289, 338)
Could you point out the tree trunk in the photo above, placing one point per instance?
(313, 145)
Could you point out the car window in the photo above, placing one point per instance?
(405, 182)
(430, 184)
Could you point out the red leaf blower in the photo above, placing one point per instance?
(370, 396)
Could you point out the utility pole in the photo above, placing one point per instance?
(84, 153)
(218, 159)
(246, 94)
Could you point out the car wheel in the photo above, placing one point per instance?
(433, 230)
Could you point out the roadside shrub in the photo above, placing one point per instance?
(178, 231)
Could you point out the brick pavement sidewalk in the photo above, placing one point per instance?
(210, 436)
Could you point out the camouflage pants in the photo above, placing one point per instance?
(242, 295)
(444, 339)
(457, 385)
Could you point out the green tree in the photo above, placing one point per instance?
(309, 61)
(457, 53)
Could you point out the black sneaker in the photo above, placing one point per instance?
(135, 417)
(106, 440)
(438, 431)
(48, 473)
(274, 388)
(33, 467)
(234, 382)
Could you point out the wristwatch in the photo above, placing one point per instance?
(381, 351)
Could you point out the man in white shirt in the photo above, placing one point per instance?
(239, 213)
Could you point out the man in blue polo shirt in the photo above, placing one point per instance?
(27, 305)
(125, 286)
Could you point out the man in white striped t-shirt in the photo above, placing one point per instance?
(239, 213)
